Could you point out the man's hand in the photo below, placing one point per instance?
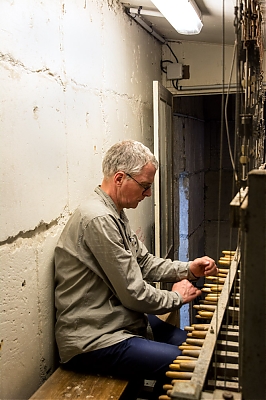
(186, 290)
(203, 266)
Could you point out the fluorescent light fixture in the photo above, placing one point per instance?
(183, 15)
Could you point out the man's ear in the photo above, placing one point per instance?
(118, 178)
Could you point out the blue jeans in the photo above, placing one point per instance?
(136, 358)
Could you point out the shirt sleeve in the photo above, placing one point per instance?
(126, 272)
(156, 269)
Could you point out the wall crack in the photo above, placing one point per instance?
(8, 59)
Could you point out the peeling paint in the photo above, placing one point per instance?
(42, 227)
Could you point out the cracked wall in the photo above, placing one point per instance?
(76, 77)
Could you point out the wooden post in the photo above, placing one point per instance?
(253, 292)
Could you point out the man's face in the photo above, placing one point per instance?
(133, 191)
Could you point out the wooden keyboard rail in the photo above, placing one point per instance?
(192, 388)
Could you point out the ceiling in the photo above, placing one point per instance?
(217, 18)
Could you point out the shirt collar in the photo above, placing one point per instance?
(109, 202)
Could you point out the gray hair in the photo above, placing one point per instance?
(128, 156)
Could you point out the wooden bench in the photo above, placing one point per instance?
(65, 384)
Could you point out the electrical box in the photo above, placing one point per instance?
(174, 71)
(177, 71)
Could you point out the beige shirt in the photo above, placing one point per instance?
(102, 275)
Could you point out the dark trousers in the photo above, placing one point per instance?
(136, 358)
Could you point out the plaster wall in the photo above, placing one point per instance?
(76, 77)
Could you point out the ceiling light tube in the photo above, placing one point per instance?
(183, 15)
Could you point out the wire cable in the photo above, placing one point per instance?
(226, 116)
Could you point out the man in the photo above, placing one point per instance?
(105, 304)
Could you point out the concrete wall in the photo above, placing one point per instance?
(76, 76)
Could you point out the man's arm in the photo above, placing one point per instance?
(155, 269)
(102, 237)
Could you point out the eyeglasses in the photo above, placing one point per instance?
(146, 187)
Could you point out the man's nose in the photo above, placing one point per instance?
(147, 193)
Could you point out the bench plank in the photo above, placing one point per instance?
(65, 384)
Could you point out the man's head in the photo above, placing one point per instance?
(128, 156)
(128, 168)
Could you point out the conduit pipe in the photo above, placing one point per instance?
(211, 87)
(148, 28)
